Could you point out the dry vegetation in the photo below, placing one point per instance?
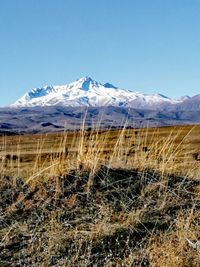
(101, 198)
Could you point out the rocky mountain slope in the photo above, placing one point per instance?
(54, 118)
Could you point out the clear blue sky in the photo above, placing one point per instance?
(144, 45)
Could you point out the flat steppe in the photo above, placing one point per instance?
(174, 147)
(124, 198)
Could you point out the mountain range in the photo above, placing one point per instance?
(55, 108)
(90, 93)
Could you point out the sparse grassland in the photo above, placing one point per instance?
(128, 197)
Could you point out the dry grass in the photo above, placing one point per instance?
(101, 198)
(170, 148)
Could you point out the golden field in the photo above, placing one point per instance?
(128, 197)
(176, 148)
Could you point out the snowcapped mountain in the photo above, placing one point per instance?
(87, 92)
(49, 108)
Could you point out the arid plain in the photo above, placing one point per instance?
(173, 147)
(128, 197)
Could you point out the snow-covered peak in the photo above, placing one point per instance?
(85, 83)
(88, 92)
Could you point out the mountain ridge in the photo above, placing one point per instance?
(88, 92)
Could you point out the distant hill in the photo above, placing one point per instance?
(54, 119)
